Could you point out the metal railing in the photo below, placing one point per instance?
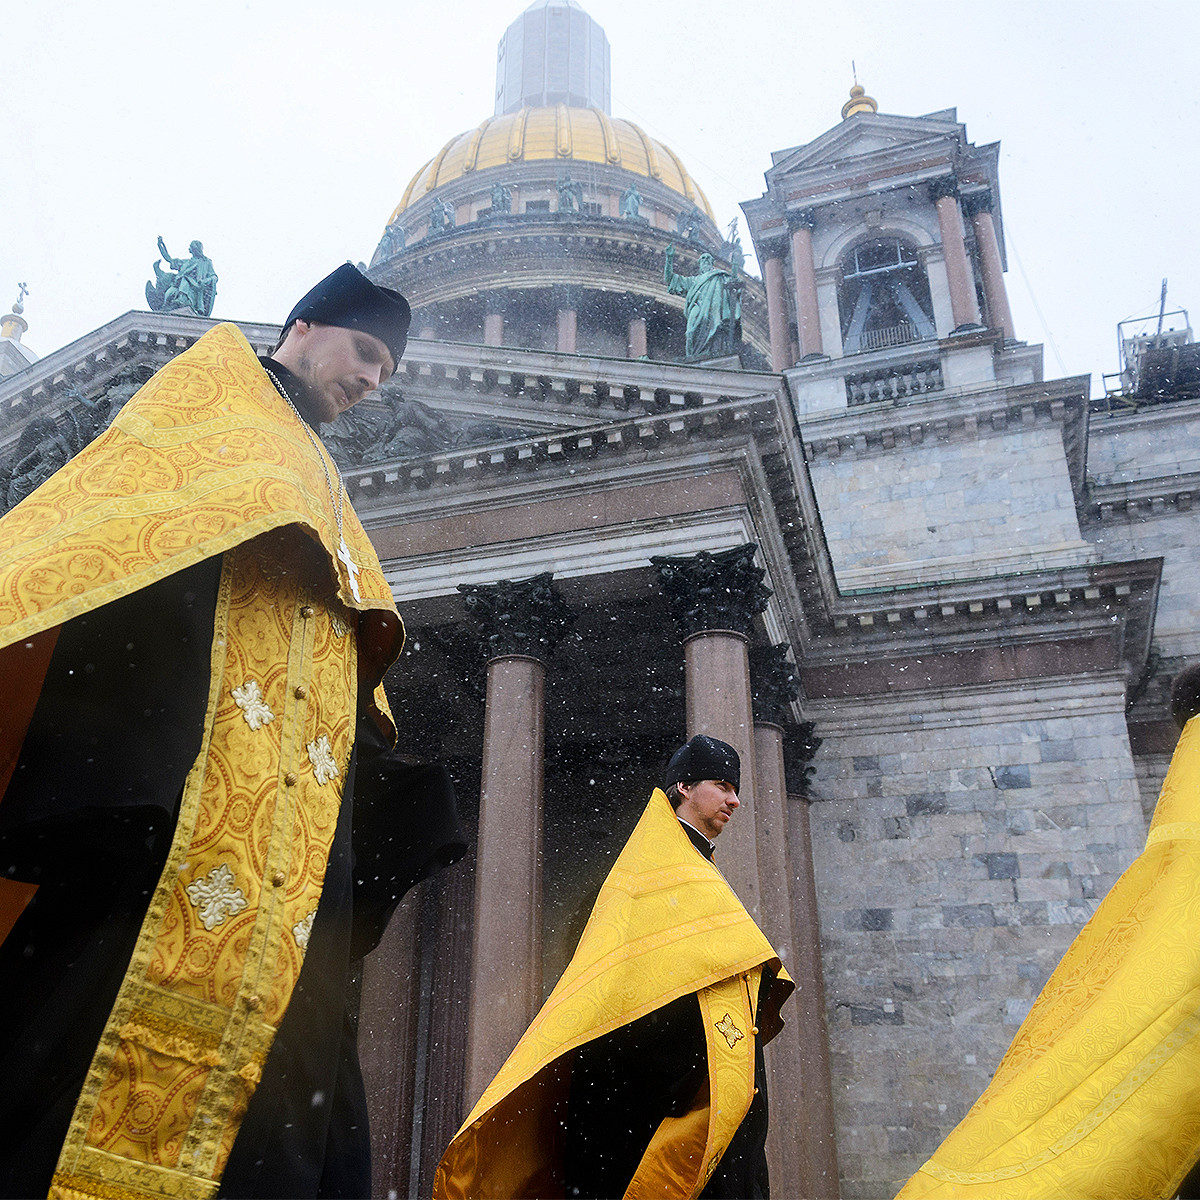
(894, 335)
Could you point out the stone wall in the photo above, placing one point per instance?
(959, 843)
(1143, 468)
(1154, 530)
(954, 508)
(1151, 770)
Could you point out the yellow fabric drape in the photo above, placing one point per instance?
(665, 924)
(206, 456)
(1099, 1093)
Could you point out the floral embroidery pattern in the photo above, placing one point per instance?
(249, 699)
(217, 896)
(302, 930)
(729, 1031)
(320, 754)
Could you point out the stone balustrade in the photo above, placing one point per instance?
(892, 383)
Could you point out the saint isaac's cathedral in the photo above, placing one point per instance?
(625, 490)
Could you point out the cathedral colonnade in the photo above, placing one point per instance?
(731, 693)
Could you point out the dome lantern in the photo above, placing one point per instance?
(859, 102)
(553, 53)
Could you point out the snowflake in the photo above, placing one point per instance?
(302, 930)
(249, 699)
(731, 1033)
(320, 754)
(216, 896)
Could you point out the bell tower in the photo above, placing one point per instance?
(883, 232)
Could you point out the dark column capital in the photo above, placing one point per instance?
(774, 683)
(524, 616)
(567, 295)
(773, 244)
(939, 189)
(714, 591)
(803, 218)
(800, 745)
(977, 202)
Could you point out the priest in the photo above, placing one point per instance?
(202, 824)
(643, 1073)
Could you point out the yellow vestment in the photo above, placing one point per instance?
(207, 459)
(1099, 1093)
(665, 924)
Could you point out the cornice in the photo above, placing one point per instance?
(501, 462)
(871, 429)
(91, 362)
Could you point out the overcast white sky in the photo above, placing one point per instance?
(283, 132)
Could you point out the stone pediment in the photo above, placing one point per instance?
(866, 135)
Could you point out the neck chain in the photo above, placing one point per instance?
(336, 502)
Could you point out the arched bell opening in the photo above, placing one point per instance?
(883, 296)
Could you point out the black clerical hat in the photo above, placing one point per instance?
(704, 757)
(347, 298)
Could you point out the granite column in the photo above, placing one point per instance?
(808, 313)
(994, 292)
(777, 311)
(715, 598)
(520, 623)
(964, 305)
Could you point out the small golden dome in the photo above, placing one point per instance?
(859, 102)
(558, 134)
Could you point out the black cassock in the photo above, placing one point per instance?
(89, 816)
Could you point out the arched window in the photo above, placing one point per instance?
(884, 296)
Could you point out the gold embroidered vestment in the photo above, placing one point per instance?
(1099, 1094)
(207, 459)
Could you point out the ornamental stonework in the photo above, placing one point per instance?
(526, 616)
(714, 591)
(774, 683)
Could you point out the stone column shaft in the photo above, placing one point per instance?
(963, 304)
(787, 1146)
(808, 1007)
(568, 324)
(994, 290)
(717, 680)
(520, 621)
(637, 337)
(388, 1021)
(808, 313)
(715, 598)
(493, 329)
(777, 313)
(507, 950)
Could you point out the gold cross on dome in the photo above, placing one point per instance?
(729, 1031)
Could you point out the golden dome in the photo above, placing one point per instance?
(558, 134)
